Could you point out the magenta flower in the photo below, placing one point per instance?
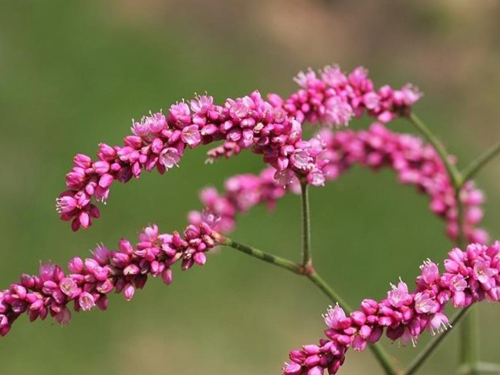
(335, 153)
(270, 128)
(399, 295)
(91, 280)
(402, 315)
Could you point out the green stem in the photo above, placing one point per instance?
(259, 254)
(473, 168)
(452, 170)
(306, 226)
(321, 284)
(469, 349)
(469, 340)
(461, 240)
(426, 353)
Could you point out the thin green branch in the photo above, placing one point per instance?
(461, 240)
(259, 254)
(477, 165)
(469, 339)
(452, 170)
(306, 226)
(469, 342)
(379, 352)
(427, 352)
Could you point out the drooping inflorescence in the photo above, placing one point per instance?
(89, 281)
(270, 128)
(471, 276)
(415, 162)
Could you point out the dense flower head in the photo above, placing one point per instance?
(471, 276)
(414, 161)
(271, 128)
(333, 97)
(242, 192)
(89, 281)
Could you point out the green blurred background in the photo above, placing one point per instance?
(73, 74)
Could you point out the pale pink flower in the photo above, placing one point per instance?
(191, 135)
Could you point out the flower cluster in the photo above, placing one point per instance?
(270, 128)
(241, 193)
(471, 276)
(334, 97)
(414, 161)
(89, 281)
(127, 269)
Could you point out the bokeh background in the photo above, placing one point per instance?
(73, 74)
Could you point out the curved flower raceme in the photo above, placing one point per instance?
(242, 192)
(270, 128)
(471, 276)
(414, 161)
(332, 97)
(89, 281)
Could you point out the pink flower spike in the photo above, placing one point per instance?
(271, 128)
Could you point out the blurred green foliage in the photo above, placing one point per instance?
(74, 73)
